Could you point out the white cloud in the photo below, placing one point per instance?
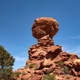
(19, 59)
(19, 62)
(76, 37)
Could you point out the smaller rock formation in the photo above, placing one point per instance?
(44, 56)
(76, 64)
(46, 41)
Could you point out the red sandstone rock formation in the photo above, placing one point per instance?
(44, 26)
(45, 56)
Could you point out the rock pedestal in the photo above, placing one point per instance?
(45, 56)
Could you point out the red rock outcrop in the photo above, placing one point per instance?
(45, 56)
(76, 64)
(44, 26)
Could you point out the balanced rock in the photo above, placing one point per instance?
(44, 26)
(44, 56)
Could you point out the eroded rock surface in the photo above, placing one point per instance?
(44, 26)
(45, 56)
(76, 64)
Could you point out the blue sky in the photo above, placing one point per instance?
(17, 18)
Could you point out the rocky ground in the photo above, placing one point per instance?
(46, 61)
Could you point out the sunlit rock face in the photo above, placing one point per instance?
(45, 56)
(44, 26)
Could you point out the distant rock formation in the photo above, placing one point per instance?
(45, 56)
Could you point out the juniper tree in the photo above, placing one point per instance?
(6, 63)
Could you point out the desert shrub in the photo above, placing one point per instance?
(48, 71)
(65, 70)
(22, 79)
(67, 77)
(36, 66)
(46, 77)
(17, 74)
(49, 77)
(62, 70)
(60, 63)
(31, 65)
(52, 77)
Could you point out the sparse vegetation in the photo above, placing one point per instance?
(16, 74)
(60, 63)
(48, 71)
(22, 79)
(65, 70)
(67, 77)
(35, 67)
(31, 65)
(62, 70)
(49, 77)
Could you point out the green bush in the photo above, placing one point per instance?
(46, 77)
(48, 71)
(65, 70)
(22, 79)
(49, 77)
(17, 74)
(60, 63)
(67, 77)
(31, 65)
(52, 77)
(62, 70)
